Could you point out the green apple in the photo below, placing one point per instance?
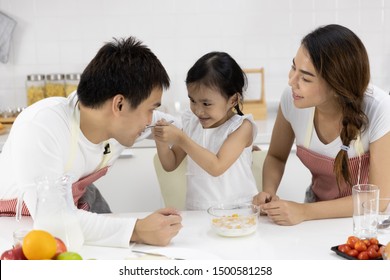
(68, 256)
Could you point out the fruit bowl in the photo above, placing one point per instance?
(232, 220)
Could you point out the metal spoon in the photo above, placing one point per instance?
(153, 125)
(154, 254)
(384, 224)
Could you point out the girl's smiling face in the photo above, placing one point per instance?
(209, 105)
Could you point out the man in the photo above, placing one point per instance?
(84, 134)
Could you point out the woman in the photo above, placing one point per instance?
(339, 123)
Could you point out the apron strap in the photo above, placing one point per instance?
(75, 131)
(309, 129)
(79, 187)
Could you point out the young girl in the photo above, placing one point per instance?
(216, 135)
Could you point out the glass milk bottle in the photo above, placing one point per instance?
(56, 212)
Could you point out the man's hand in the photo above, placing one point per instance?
(158, 228)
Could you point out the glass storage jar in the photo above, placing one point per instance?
(35, 86)
(55, 85)
(71, 82)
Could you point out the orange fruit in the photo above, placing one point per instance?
(39, 245)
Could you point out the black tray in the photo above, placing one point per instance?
(348, 257)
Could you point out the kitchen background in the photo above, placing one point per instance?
(56, 36)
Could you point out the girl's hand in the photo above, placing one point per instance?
(166, 132)
(283, 212)
(263, 198)
(162, 122)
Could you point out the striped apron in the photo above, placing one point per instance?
(8, 207)
(324, 184)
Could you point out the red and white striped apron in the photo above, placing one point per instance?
(8, 207)
(324, 184)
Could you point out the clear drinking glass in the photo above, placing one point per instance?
(365, 219)
(383, 213)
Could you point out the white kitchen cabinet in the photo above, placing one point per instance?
(131, 183)
(295, 180)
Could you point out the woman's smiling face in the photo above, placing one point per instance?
(308, 87)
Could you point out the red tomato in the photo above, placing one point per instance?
(344, 248)
(363, 256)
(360, 246)
(374, 246)
(353, 253)
(351, 241)
(367, 242)
(372, 253)
(373, 240)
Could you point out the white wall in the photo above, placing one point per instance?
(63, 36)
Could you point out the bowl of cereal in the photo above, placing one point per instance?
(232, 220)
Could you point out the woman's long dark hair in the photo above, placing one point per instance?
(341, 59)
(220, 71)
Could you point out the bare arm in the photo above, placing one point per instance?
(170, 158)
(214, 164)
(379, 164)
(285, 212)
(275, 162)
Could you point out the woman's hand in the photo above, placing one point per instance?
(283, 212)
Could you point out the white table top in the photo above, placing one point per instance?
(196, 240)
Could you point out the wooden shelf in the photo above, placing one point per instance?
(7, 120)
(256, 107)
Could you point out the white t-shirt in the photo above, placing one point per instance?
(39, 144)
(237, 184)
(376, 107)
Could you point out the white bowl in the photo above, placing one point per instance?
(233, 220)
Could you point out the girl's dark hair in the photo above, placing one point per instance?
(220, 71)
(123, 66)
(341, 59)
